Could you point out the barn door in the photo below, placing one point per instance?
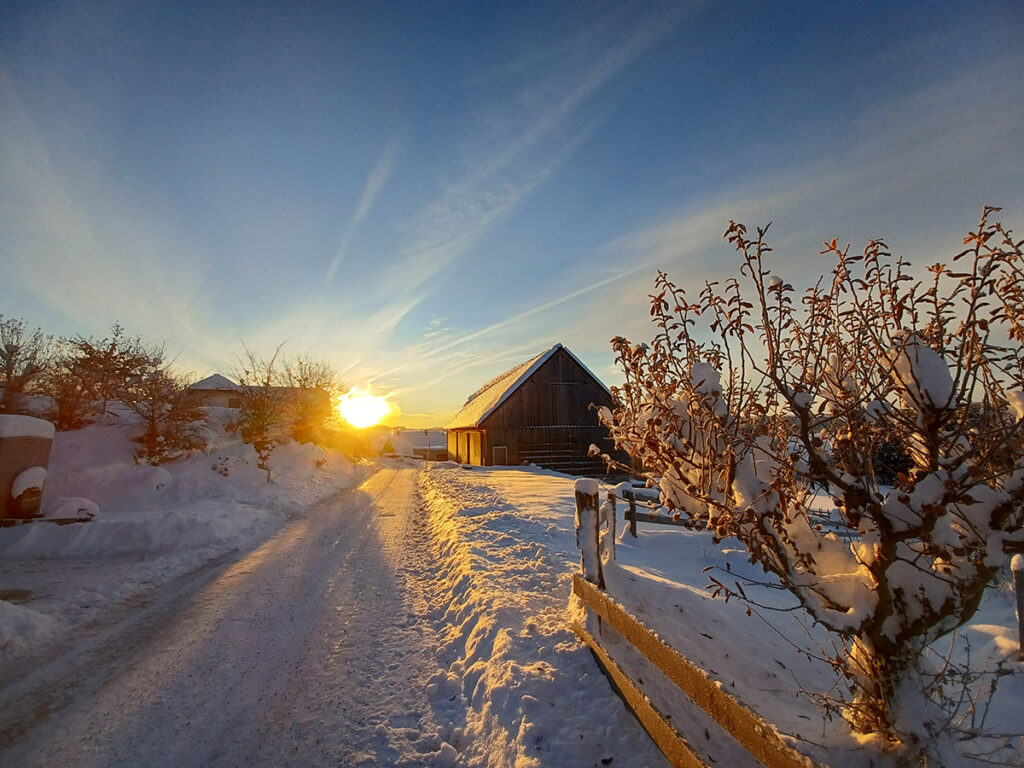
(500, 455)
(475, 456)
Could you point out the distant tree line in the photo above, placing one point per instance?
(73, 380)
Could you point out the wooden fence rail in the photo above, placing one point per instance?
(748, 728)
(632, 516)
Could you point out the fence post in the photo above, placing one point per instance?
(631, 512)
(588, 522)
(607, 518)
(1017, 566)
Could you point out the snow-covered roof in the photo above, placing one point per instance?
(216, 381)
(486, 400)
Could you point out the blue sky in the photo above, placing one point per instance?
(428, 193)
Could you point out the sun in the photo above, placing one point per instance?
(361, 409)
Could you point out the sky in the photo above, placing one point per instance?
(425, 194)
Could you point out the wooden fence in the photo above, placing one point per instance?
(596, 539)
(632, 515)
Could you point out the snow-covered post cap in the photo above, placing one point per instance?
(15, 425)
(1017, 563)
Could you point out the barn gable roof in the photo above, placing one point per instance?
(491, 395)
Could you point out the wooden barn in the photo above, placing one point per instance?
(536, 413)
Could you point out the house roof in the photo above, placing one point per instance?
(216, 381)
(491, 395)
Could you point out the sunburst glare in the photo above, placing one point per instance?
(361, 409)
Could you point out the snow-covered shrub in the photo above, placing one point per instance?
(752, 398)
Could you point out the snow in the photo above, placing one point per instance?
(151, 523)
(33, 477)
(73, 507)
(421, 619)
(528, 693)
(25, 426)
(513, 526)
(922, 376)
(21, 628)
(1015, 399)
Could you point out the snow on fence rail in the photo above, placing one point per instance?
(595, 536)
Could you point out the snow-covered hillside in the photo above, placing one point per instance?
(154, 522)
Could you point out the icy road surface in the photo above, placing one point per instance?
(311, 650)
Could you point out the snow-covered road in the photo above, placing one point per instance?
(311, 650)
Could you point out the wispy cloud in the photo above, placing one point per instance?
(536, 310)
(76, 250)
(539, 129)
(375, 182)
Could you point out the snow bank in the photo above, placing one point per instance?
(21, 628)
(518, 686)
(151, 523)
(526, 686)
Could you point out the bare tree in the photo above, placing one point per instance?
(749, 401)
(71, 388)
(265, 400)
(106, 365)
(315, 385)
(24, 355)
(160, 398)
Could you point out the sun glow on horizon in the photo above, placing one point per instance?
(361, 409)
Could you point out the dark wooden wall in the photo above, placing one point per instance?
(547, 421)
(559, 393)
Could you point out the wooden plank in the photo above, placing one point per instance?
(746, 726)
(668, 740)
(660, 520)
